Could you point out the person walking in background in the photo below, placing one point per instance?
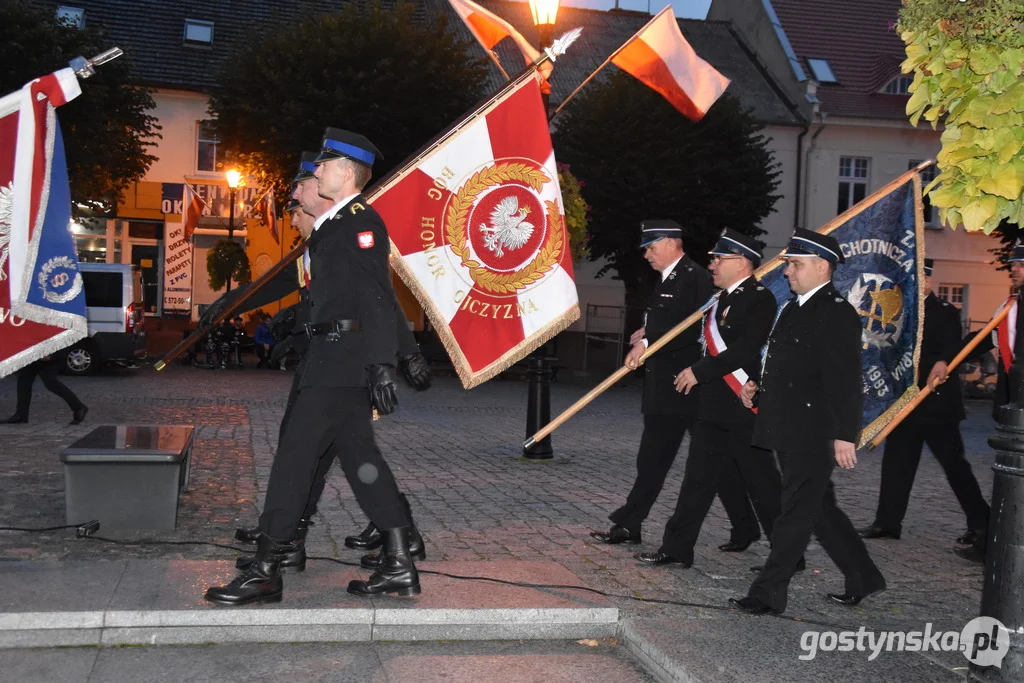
(46, 369)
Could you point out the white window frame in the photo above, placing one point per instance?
(850, 169)
(200, 141)
(74, 16)
(821, 70)
(953, 292)
(198, 32)
(898, 85)
(931, 216)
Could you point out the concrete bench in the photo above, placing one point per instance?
(127, 476)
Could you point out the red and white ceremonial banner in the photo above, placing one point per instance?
(489, 29)
(267, 213)
(478, 234)
(42, 303)
(716, 345)
(659, 56)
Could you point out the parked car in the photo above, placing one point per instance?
(114, 308)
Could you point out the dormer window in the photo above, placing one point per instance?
(72, 16)
(899, 85)
(821, 70)
(198, 31)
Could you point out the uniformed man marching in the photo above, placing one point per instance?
(346, 373)
(809, 413)
(935, 422)
(668, 414)
(734, 330)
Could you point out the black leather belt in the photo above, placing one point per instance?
(332, 329)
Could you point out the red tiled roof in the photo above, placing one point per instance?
(860, 42)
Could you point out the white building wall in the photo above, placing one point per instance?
(178, 111)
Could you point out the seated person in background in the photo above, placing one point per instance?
(264, 341)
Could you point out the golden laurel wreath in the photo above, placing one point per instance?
(458, 212)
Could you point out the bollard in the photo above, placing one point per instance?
(538, 407)
(1004, 554)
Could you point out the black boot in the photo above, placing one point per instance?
(396, 573)
(416, 549)
(369, 539)
(293, 555)
(259, 583)
(15, 419)
(252, 535)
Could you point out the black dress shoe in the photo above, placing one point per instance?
(15, 420)
(751, 606)
(972, 537)
(659, 558)
(248, 535)
(79, 415)
(800, 566)
(261, 582)
(368, 539)
(972, 553)
(616, 535)
(849, 599)
(735, 546)
(875, 531)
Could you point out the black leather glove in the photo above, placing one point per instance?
(383, 391)
(297, 343)
(218, 306)
(282, 325)
(415, 370)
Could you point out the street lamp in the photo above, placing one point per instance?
(234, 178)
(544, 12)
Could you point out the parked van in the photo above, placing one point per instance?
(114, 309)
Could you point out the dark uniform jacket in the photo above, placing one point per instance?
(1002, 393)
(939, 339)
(744, 320)
(810, 390)
(684, 290)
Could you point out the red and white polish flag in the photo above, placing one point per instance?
(192, 210)
(489, 29)
(478, 234)
(659, 56)
(42, 300)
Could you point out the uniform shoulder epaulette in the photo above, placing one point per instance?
(356, 207)
(839, 299)
(760, 288)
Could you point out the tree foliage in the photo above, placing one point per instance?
(967, 59)
(381, 72)
(107, 130)
(642, 159)
(227, 259)
(577, 211)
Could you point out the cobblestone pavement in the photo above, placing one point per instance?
(456, 454)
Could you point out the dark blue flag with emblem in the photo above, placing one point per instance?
(881, 239)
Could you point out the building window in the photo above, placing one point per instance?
(198, 31)
(822, 70)
(206, 149)
(899, 85)
(71, 16)
(954, 294)
(853, 181)
(927, 175)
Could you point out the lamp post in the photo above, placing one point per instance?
(538, 405)
(545, 13)
(234, 179)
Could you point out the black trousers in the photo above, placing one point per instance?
(659, 443)
(734, 492)
(809, 506)
(319, 420)
(899, 467)
(47, 372)
(715, 448)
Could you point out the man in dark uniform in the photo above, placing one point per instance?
(935, 421)
(306, 205)
(684, 287)
(1009, 344)
(809, 413)
(734, 331)
(346, 373)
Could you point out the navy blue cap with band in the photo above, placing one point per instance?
(733, 243)
(306, 167)
(655, 229)
(1018, 252)
(810, 243)
(928, 264)
(344, 144)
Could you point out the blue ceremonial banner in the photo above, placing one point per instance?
(881, 239)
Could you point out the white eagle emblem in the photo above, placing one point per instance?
(508, 228)
(6, 209)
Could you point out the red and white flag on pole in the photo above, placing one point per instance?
(659, 56)
(489, 29)
(42, 301)
(267, 214)
(192, 210)
(478, 234)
